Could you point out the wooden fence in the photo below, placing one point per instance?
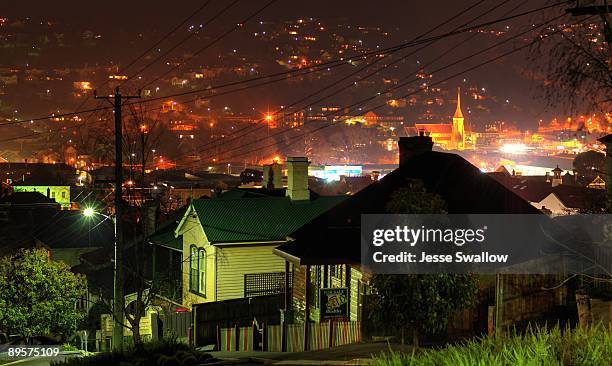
(295, 337)
(233, 313)
(226, 340)
(173, 325)
(346, 333)
(274, 338)
(320, 336)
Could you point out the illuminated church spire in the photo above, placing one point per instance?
(458, 134)
(458, 112)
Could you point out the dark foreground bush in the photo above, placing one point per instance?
(163, 353)
(592, 346)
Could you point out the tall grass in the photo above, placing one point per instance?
(540, 346)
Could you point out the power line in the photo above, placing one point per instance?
(185, 39)
(125, 68)
(167, 35)
(135, 60)
(412, 93)
(358, 71)
(389, 89)
(252, 125)
(364, 55)
(216, 40)
(406, 83)
(318, 67)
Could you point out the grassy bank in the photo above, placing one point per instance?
(163, 353)
(591, 346)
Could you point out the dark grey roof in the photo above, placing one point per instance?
(334, 237)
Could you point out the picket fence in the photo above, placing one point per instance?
(320, 336)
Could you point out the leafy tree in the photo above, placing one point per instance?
(38, 296)
(422, 303)
(589, 165)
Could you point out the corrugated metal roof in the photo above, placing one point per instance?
(232, 220)
(167, 239)
(164, 235)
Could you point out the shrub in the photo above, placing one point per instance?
(69, 347)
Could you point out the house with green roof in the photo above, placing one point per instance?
(226, 243)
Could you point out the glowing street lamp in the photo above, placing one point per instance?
(89, 212)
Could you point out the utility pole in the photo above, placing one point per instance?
(118, 297)
(144, 129)
(602, 10)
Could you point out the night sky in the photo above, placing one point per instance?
(391, 13)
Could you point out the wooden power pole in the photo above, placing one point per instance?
(118, 297)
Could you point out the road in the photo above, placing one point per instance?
(38, 361)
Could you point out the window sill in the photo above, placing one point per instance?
(197, 293)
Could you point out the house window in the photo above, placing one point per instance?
(53, 195)
(202, 271)
(197, 270)
(63, 194)
(193, 269)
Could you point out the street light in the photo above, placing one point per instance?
(117, 339)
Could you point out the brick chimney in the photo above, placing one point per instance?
(297, 179)
(272, 176)
(607, 176)
(413, 146)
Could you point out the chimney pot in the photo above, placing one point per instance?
(272, 176)
(412, 146)
(297, 179)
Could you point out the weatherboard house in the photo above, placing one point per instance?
(222, 248)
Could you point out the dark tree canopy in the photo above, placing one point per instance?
(414, 199)
(423, 303)
(589, 165)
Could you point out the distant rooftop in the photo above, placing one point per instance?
(27, 198)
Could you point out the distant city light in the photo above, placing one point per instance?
(517, 149)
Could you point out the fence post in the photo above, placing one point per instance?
(193, 319)
(264, 337)
(255, 337)
(331, 333)
(218, 338)
(283, 336)
(237, 337)
(307, 308)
